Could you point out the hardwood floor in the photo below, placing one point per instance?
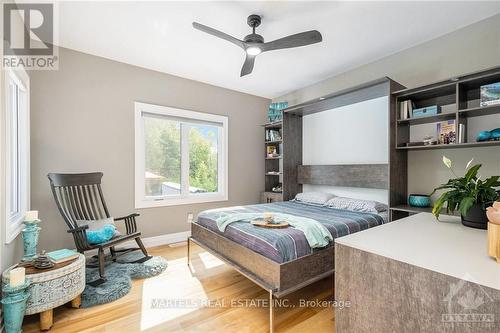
(182, 301)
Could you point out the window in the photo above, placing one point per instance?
(180, 156)
(17, 151)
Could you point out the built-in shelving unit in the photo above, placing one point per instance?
(459, 99)
(282, 168)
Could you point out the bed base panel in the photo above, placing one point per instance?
(282, 279)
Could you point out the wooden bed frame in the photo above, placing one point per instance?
(281, 279)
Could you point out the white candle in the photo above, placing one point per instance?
(17, 277)
(31, 215)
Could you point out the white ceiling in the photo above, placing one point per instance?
(159, 36)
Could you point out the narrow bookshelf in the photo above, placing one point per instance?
(283, 153)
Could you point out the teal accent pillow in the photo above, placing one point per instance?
(101, 235)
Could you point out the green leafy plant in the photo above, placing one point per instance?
(467, 191)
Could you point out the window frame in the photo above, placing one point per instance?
(14, 222)
(140, 157)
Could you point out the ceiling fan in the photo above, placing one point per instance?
(254, 45)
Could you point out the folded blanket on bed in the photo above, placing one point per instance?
(317, 234)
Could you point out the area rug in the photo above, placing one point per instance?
(119, 278)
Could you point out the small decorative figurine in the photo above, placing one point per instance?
(43, 261)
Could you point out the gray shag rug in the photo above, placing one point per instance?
(119, 278)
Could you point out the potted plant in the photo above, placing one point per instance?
(470, 195)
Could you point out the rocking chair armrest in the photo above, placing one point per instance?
(134, 215)
(130, 223)
(80, 238)
(78, 229)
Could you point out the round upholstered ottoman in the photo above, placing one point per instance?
(52, 288)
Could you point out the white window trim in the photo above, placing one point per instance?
(140, 201)
(14, 224)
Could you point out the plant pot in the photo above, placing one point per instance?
(476, 218)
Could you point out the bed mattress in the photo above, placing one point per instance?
(283, 245)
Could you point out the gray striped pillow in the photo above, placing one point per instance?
(314, 198)
(357, 205)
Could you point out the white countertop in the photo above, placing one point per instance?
(445, 247)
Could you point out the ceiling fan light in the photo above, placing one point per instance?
(253, 50)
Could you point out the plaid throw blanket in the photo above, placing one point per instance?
(282, 245)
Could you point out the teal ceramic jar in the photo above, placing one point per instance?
(419, 200)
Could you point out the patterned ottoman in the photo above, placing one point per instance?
(52, 288)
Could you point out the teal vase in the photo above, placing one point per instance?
(30, 232)
(14, 306)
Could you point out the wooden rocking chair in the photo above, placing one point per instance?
(79, 198)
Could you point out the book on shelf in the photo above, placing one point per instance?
(489, 94)
(415, 144)
(273, 135)
(406, 109)
(62, 255)
(446, 132)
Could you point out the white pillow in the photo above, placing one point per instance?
(314, 198)
(98, 224)
(357, 205)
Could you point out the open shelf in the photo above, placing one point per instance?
(416, 210)
(480, 111)
(276, 124)
(430, 91)
(428, 119)
(273, 174)
(273, 142)
(453, 146)
(274, 158)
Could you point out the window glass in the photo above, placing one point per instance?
(180, 156)
(203, 158)
(163, 157)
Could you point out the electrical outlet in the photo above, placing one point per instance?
(190, 218)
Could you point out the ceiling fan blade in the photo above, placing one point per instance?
(300, 39)
(219, 34)
(248, 65)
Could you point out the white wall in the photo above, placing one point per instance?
(467, 50)
(352, 134)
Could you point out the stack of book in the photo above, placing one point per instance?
(62, 256)
(406, 109)
(273, 135)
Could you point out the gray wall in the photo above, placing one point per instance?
(470, 49)
(82, 119)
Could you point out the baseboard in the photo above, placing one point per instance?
(164, 239)
(152, 241)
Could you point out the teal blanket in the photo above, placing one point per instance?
(317, 234)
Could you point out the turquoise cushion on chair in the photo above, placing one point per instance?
(101, 235)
